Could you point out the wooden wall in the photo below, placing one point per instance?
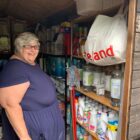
(134, 118)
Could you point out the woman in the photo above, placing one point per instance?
(28, 96)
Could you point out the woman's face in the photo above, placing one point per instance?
(29, 52)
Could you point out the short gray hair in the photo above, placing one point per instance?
(24, 39)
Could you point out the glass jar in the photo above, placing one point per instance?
(96, 77)
(107, 82)
(116, 82)
(87, 77)
(80, 70)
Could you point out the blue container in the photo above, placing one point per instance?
(53, 66)
(63, 69)
(59, 65)
(56, 66)
(48, 64)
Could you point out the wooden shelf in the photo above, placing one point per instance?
(101, 99)
(90, 132)
(82, 19)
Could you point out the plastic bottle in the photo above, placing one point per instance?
(102, 125)
(82, 39)
(67, 37)
(93, 121)
(112, 125)
(81, 137)
(76, 105)
(68, 114)
(116, 81)
(85, 136)
(86, 117)
(76, 41)
(90, 137)
(81, 107)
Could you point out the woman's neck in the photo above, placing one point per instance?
(17, 56)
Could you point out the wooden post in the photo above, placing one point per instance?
(128, 69)
(73, 111)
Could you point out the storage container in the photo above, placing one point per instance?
(86, 7)
(110, 4)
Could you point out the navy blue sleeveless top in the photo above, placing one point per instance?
(41, 92)
(40, 108)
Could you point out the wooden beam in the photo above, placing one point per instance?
(128, 69)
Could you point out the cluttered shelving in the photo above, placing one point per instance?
(105, 101)
(94, 135)
(101, 99)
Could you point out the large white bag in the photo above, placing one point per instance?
(106, 41)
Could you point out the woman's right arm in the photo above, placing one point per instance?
(10, 99)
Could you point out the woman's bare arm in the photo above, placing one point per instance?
(10, 98)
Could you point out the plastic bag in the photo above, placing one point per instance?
(106, 41)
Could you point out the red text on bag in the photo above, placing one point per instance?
(108, 52)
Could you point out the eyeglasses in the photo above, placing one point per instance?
(36, 47)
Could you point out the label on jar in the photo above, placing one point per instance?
(115, 88)
(100, 90)
(87, 78)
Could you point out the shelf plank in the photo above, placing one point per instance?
(90, 132)
(82, 19)
(101, 99)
